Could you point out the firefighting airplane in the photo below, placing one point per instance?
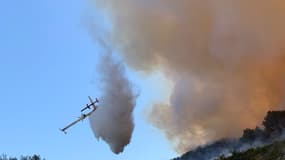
(83, 116)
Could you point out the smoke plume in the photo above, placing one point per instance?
(226, 59)
(113, 121)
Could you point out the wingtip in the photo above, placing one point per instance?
(63, 131)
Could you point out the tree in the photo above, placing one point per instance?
(274, 122)
(248, 135)
(36, 157)
(3, 157)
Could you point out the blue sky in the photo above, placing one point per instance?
(48, 68)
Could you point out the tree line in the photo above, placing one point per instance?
(33, 157)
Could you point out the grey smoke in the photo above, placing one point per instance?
(113, 120)
(226, 59)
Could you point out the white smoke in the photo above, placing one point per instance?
(113, 120)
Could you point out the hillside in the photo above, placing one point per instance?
(273, 130)
(275, 151)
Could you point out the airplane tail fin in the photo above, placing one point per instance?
(93, 102)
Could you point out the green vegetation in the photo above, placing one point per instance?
(34, 157)
(275, 151)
